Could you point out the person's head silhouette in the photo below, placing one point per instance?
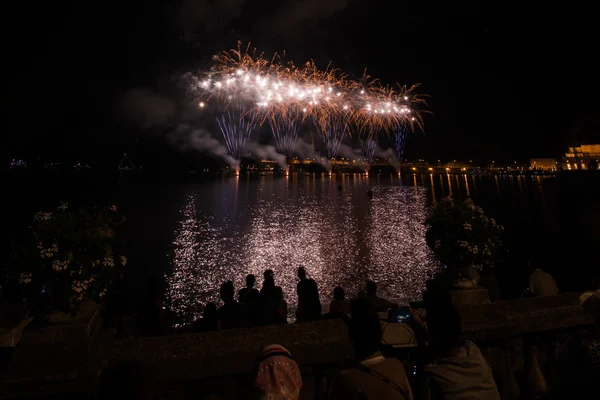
(371, 288)
(301, 273)
(227, 292)
(339, 294)
(268, 274)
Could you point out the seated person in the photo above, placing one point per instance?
(210, 320)
(541, 283)
(278, 376)
(457, 371)
(374, 377)
(339, 304)
(379, 303)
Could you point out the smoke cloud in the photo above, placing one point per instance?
(146, 108)
(187, 138)
(305, 150)
(206, 15)
(295, 18)
(355, 154)
(290, 19)
(390, 156)
(269, 152)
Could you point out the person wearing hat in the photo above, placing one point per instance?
(278, 376)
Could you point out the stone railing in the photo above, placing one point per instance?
(525, 342)
(234, 351)
(67, 355)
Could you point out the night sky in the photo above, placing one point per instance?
(90, 80)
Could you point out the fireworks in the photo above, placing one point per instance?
(250, 90)
(369, 145)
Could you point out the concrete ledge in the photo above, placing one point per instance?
(477, 295)
(511, 318)
(60, 358)
(58, 349)
(234, 351)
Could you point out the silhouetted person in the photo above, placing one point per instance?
(369, 193)
(281, 308)
(268, 302)
(379, 303)
(309, 304)
(457, 371)
(249, 290)
(250, 298)
(232, 314)
(151, 314)
(339, 306)
(210, 320)
(268, 274)
(268, 283)
(268, 287)
(340, 303)
(374, 377)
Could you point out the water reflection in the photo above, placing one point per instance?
(239, 225)
(342, 237)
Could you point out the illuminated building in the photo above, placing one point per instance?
(543, 164)
(582, 157)
(457, 166)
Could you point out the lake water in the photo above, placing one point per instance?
(198, 234)
(239, 226)
(226, 228)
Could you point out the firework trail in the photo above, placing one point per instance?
(250, 90)
(330, 108)
(400, 141)
(285, 128)
(369, 146)
(333, 128)
(229, 86)
(236, 123)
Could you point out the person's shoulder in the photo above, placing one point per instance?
(237, 305)
(471, 347)
(393, 369)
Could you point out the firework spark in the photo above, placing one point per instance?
(250, 90)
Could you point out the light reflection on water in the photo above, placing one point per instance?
(238, 226)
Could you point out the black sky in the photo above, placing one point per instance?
(507, 81)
